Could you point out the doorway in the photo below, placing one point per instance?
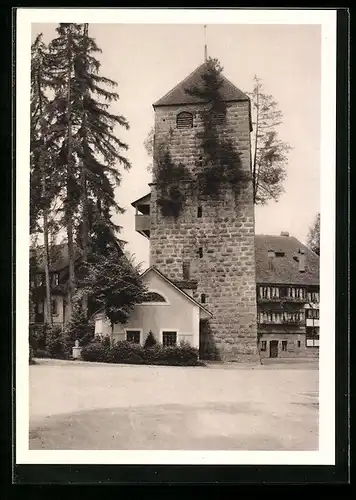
(273, 349)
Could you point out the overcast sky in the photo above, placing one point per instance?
(148, 60)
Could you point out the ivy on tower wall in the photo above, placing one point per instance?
(219, 164)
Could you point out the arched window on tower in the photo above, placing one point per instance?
(184, 120)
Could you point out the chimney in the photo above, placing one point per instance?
(301, 261)
(284, 233)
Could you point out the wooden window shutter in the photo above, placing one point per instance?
(184, 120)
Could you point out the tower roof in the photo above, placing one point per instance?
(178, 95)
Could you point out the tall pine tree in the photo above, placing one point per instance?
(82, 127)
(42, 189)
(64, 120)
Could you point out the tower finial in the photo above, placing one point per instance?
(205, 45)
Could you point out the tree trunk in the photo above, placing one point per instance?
(85, 222)
(85, 228)
(48, 316)
(70, 179)
(254, 175)
(42, 156)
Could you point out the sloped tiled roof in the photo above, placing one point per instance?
(178, 95)
(284, 270)
(58, 256)
(143, 200)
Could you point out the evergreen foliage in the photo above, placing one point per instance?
(79, 328)
(150, 340)
(219, 164)
(114, 283)
(269, 153)
(171, 182)
(75, 148)
(313, 239)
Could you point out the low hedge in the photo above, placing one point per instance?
(129, 353)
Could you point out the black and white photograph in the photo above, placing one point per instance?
(175, 236)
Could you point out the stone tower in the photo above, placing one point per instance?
(208, 249)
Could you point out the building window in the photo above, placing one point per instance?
(184, 120)
(313, 342)
(169, 339)
(312, 313)
(133, 336)
(281, 317)
(55, 279)
(312, 337)
(203, 298)
(284, 345)
(186, 270)
(263, 345)
(200, 251)
(54, 307)
(153, 297)
(313, 297)
(200, 211)
(298, 343)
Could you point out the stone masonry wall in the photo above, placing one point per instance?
(225, 232)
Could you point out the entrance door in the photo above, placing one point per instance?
(273, 349)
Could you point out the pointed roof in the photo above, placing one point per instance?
(154, 269)
(178, 95)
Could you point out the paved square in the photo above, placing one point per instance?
(78, 406)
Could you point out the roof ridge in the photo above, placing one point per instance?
(178, 94)
(179, 84)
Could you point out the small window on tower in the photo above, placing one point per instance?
(203, 298)
(200, 252)
(184, 120)
(200, 211)
(219, 118)
(186, 270)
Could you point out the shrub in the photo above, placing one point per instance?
(37, 336)
(56, 343)
(31, 356)
(41, 353)
(127, 352)
(188, 354)
(79, 328)
(98, 350)
(150, 340)
(181, 355)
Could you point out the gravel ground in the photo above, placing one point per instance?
(76, 406)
